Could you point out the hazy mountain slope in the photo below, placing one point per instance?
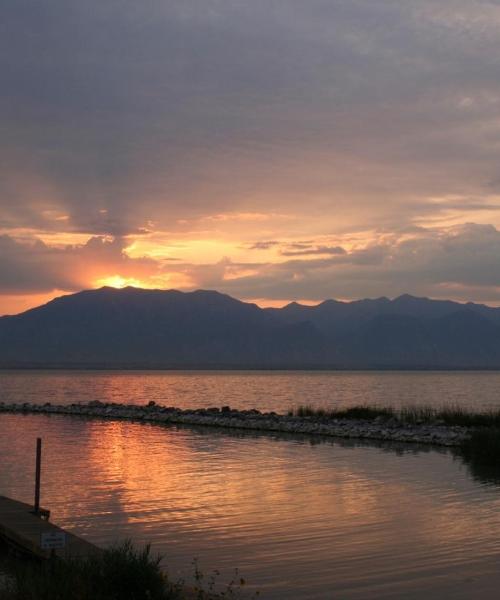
(141, 328)
(134, 326)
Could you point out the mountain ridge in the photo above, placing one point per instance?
(140, 328)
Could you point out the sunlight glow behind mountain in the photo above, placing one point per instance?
(306, 151)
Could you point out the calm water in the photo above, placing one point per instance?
(301, 520)
(271, 390)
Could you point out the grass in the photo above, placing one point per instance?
(480, 450)
(121, 572)
(356, 412)
(450, 415)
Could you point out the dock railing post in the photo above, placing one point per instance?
(38, 474)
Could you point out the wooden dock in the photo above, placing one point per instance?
(26, 531)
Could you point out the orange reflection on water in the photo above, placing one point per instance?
(192, 475)
(397, 521)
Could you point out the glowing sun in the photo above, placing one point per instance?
(117, 281)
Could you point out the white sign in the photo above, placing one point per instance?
(54, 540)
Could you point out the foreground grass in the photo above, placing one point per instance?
(118, 573)
(451, 415)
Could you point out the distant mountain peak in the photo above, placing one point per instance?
(404, 297)
(330, 302)
(293, 306)
(133, 327)
(408, 298)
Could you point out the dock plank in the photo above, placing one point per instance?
(23, 529)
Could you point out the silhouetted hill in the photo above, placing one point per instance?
(155, 328)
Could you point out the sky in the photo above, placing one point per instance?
(275, 150)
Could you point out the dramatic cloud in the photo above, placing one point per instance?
(34, 268)
(301, 249)
(224, 134)
(452, 262)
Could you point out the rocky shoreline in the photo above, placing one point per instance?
(380, 428)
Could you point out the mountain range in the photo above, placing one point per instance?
(137, 328)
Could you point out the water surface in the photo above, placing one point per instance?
(266, 390)
(301, 518)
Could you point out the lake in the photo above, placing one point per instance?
(301, 518)
(265, 390)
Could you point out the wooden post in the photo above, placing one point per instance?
(38, 474)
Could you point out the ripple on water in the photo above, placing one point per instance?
(268, 390)
(301, 520)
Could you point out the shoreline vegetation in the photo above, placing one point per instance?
(120, 572)
(475, 434)
(411, 415)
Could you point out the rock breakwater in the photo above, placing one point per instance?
(380, 428)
